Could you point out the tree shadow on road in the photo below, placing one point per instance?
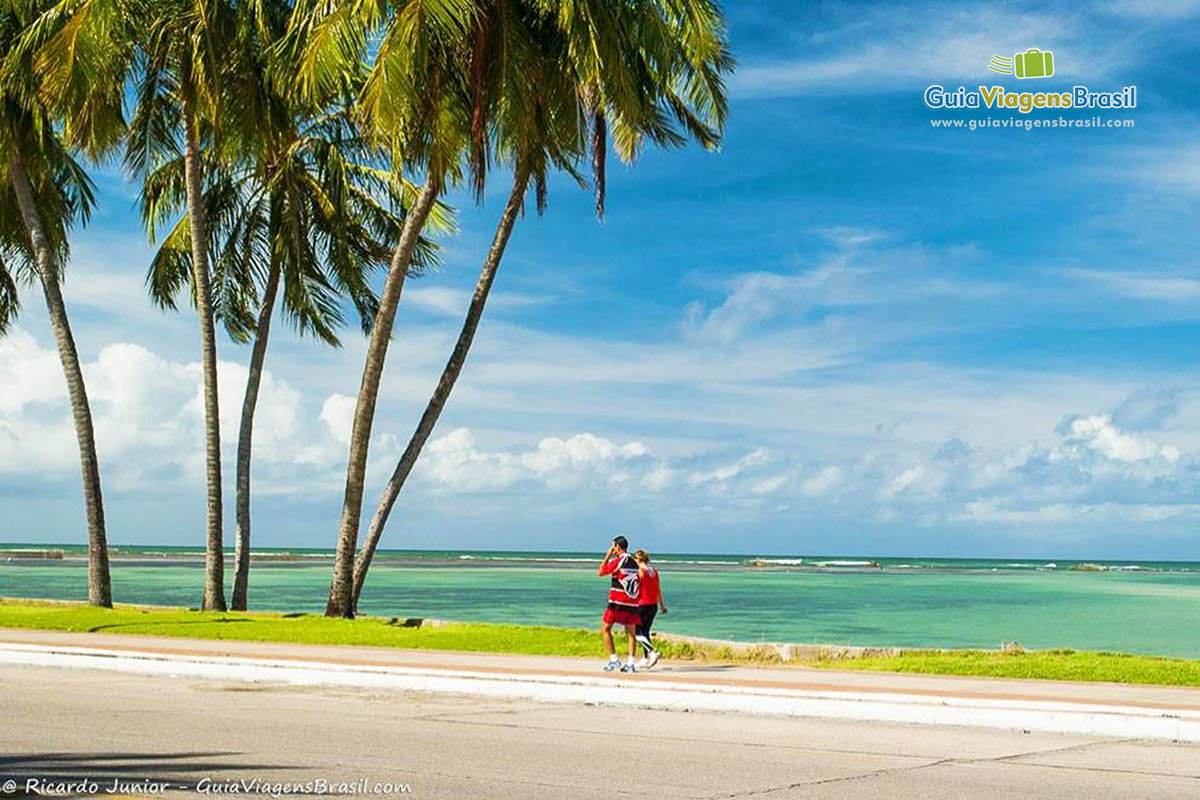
(181, 771)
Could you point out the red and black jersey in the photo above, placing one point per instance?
(624, 589)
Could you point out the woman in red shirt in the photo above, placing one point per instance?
(650, 600)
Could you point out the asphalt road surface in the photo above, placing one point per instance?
(59, 727)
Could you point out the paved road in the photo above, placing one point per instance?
(71, 724)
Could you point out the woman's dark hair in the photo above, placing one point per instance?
(621, 542)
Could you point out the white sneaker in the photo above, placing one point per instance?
(611, 665)
(628, 668)
(654, 656)
(641, 664)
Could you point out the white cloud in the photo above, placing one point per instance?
(148, 414)
(725, 472)
(439, 299)
(1098, 433)
(761, 296)
(991, 511)
(1160, 10)
(903, 481)
(847, 237)
(31, 374)
(453, 302)
(337, 412)
(828, 479)
(1171, 166)
(659, 478)
(105, 276)
(756, 432)
(906, 47)
(770, 485)
(867, 270)
(882, 454)
(1149, 409)
(1159, 287)
(455, 463)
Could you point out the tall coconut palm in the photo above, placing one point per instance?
(642, 65)
(44, 192)
(299, 198)
(412, 104)
(522, 97)
(310, 213)
(177, 54)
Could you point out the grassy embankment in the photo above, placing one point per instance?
(540, 640)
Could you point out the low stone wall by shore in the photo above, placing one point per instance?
(18, 555)
(700, 647)
(777, 651)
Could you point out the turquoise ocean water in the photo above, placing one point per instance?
(1145, 607)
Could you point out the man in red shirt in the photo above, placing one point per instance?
(622, 608)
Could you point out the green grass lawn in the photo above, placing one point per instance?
(1060, 665)
(541, 640)
(298, 628)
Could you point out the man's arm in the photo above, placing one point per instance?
(604, 562)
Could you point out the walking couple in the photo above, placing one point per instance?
(634, 599)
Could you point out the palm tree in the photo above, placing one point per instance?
(177, 53)
(304, 199)
(50, 192)
(669, 65)
(309, 209)
(518, 89)
(411, 102)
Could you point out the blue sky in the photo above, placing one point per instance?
(848, 332)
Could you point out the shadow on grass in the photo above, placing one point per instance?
(116, 625)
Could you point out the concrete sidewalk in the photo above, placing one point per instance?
(1050, 706)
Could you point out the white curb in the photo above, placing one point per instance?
(1034, 715)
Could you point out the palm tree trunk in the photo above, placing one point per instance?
(341, 585)
(99, 582)
(258, 354)
(458, 357)
(214, 562)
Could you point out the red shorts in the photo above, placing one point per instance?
(621, 615)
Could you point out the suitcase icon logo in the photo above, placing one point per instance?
(1033, 63)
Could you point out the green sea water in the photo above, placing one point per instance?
(1144, 607)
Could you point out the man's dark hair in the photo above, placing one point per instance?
(621, 542)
